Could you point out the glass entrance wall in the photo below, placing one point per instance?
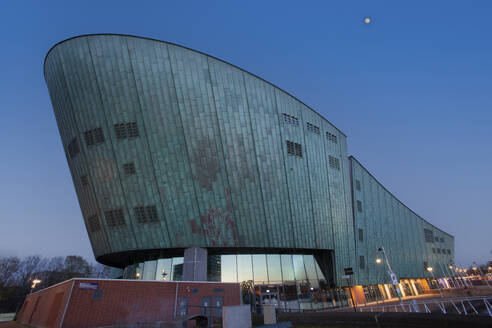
(294, 282)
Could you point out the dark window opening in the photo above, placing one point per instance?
(115, 217)
(94, 224)
(331, 137)
(357, 185)
(84, 180)
(146, 214)
(361, 235)
(359, 206)
(126, 130)
(129, 168)
(334, 162)
(428, 236)
(289, 119)
(94, 137)
(294, 148)
(312, 128)
(73, 148)
(362, 262)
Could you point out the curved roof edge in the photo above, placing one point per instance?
(199, 52)
(372, 176)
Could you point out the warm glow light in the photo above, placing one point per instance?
(138, 274)
(367, 20)
(378, 261)
(35, 282)
(450, 266)
(474, 268)
(429, 269)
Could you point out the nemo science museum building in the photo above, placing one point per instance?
(187, 167)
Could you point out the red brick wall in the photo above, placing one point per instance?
(122, 301)
(45, 308)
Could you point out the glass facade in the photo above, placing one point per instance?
(291, 282)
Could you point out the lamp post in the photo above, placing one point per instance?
(393, 278)
(431, 270)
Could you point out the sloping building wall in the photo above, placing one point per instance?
(380, 219)
(170, 148)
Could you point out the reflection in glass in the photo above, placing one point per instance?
(177, 269)
(228, 268)
(287, 268)
(163, 271)
(260, 273)
(300, 272)
(274, 271)
(244, 269)
(149, 270)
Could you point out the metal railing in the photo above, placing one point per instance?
(464, 306)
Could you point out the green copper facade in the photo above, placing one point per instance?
(380, 219)
(170, 148)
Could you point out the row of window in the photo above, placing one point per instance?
(441, 251)
(428, 236)
(115, 217)
(292, 120)
(96, 136)
(128, 168)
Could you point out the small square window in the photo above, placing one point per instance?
(331, 137)
(334, 162)
(115, 217)
(84, 180)
(94, 224)
(129, 168)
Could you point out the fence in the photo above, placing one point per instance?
(463, 306)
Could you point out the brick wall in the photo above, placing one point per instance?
(120, 302)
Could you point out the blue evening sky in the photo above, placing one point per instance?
(412, 91)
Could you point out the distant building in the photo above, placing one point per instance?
(170, 149)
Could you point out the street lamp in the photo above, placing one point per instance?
(378, 261)
(431, 270)
(393, 278)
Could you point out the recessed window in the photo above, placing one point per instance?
(362, 262)
(94, 224)
(428, 236)
(359, 206)
(438, 251)
(289, 119)
(361, 235)
(441, 240)
(434, 250)
(126, 130)
(426, 265)
(334, 162)
(115, 217)
(436, 239)
(73, 148)
(146, 214)
(129, 168)
(84, 180)
(294, 148)
(331, 137)
(449, 251)
(357, 185)
(94, 137)
(312, 128)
